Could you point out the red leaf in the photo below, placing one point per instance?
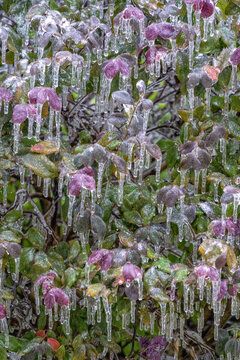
(53, 343)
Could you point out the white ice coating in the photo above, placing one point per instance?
(100, 178)
(70, 208)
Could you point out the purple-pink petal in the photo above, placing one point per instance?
(202, 270)
(49, 299)
(232, 290)
(166, 30)
(54, 100)
(88, 182)
(46, 286)
(75, 185)
(133, 12)
(235, 57)
(60, 297)
(106, 261)
(5, 94)
(131, 272)
(218, 228)
(123, 67)
(151, 55)
(86, 171)
(152, 32)
(233, 228)
(111, 69)
(213, 274)
(223, 289)
(96, 256)
(42, 278)
(2, 312)
(207, 9)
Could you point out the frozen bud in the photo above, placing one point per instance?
(119, 257)
(235, 57)
(233, 228)
(141, 87)
(190, 212)
(41, 279)
(147, 104)
(217, 228)
(38, 95)
(133, 12)
(223, 289)
(232, 290)
(226, 198)
(5, 94)
(2, 251)
(220, 261)
(106, 261)
(167, 31)
(154, 150)
(131, 272)
(49, 299)
(151, 55)
(2, 312)
(207, 8)
(123, 67)
(132, 291)
(60, 297)
(193, 79)
(152, 32)
(120, 163)
(111, 69)
(212, 72)
(141, 247)
(187, 147)
(204, 158)
(21, 112)
(14, 250)
(211, 139)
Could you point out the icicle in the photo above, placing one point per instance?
(4, 50)
(191, 102)
(223, 150)
(208, 100)
(169, 216)
(67, 319)
(37, 299)
(60, 184)
(42, 74)
(15, 275)
(120, 188)
(74, 298)
(140, 288)
(79, 72)
(191, 301)
(50, 126)
(87, 274)
(99, 310)
(100, 178)
(147, 160)
(236, 198)
(70, 208)
(8, 309)
(163, 317)
(46, 183)
(133, 307)
(180, 231)
(204, 180)
(58, 128)
(185, 132)
(181, 330)
(124, 321)
(215, 190)
(93, 200)
(4, 328)
(215, 291)
(158, 169)
(130, 151)
(234, 78)
(50, 319)
(1, 274)
(196, 181)
(55, 75)
(106, 43)
(190, 51)
(183, 177)
(40, 52)
(30, 127)
(205, 29)
(5, 106)
(55, 311)
(201, 281)
(38, 120)
(152, 322)
(186, 291)
(82, 204)
(189, 13)
(16, 132)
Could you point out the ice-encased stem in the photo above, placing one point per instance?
(82, 204)
(169, 216)
(4, 50)
(16, 134)
(189, 13)
(196, 181)
(204, 180)
(208, 101)
(158, 169)
(190, 52)
(234, 78)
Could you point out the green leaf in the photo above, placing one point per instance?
(36, 238)
(182, 70)
(147, 213)
(60, 353)
(70, 276)
(165, 144)
(80, 353)
(235, 102)
(26, 260)
(40, 165)
(7, 235)
(227, 36)
(181, 274)
(163, 264)
(133, 217)
(74, 250)
(13, 216)
(234, 126)
(171, 158)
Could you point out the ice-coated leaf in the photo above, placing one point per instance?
(40, 165)
(122, 96)
(45, 147)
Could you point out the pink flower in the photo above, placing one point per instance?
(116, 65)
(131, 272)
(207, 272)
(223, 289)
(41, 279)
(133, 12)
(21, 112)
(60, 297)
